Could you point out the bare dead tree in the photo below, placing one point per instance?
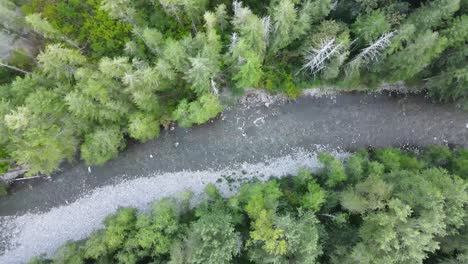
(370, 53)
(316, 59)
(266, 22)
(236, 7)
(234, 40)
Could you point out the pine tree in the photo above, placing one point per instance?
(44, 28)
(58, 62)
(248, 50)
(212, 239)
(370, 27)
(101, 145)
(206, 66)
(198, 112)
(143, 126)
(291, 23)
(120, 9)
(416, 56)
(431, 15)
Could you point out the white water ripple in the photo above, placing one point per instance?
(30, 234)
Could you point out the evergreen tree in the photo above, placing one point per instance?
(411, 60)
(247, 50)
(371, 26)
(60, 63)
(197, 112)
(143, 127)
(212, 239)
(289, 23)
(101, 145)
(44, 28)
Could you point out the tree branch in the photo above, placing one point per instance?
(14, 68)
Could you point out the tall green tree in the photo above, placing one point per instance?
(248, 47)
(291, 22)
(101, 145)
(197, 112)
(213, 239)
(416, 56)
(59, 62)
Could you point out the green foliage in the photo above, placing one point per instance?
(248, 49)
(43, 149)
(250, 73)
(200, 74)
(130, 66)
(101, 145)
(69, 253)
(356, 165)
(11, 20)
(157, 232)
(459, 163)
(369, 195)
(58, 62)
(259, 202)
(212, 239)
(326, 50)
(334, 171)
(370, 27)
(438, 156)
(457, 33)
(197, 112)
(5, 165)
(415, 215)
(303, 236)
(290, 24)
(41, 25)
(431, 15)
(416, 56)
(82, 21)
(314, 198)
(389, 158)
(421, 203)
(143, 127)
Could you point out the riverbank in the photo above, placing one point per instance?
(250, 98)
(245, 139)
(246, 133)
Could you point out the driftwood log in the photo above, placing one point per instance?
(12, 174)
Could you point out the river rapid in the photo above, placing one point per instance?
(247, 141)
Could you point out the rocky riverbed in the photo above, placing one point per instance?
(259, 138)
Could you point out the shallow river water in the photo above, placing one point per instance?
(244, 142)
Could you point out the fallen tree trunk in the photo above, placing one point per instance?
(13, 174)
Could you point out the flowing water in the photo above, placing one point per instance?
(244, 142)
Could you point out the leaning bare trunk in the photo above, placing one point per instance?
(14, 68)
(71, 43)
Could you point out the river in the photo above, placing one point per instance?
(244, 142)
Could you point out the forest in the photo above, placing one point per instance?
(376, 206)
(105, 71)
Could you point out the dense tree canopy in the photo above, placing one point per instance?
(386, 206)
(132, 66)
